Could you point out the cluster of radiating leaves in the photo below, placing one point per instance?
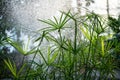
(12, 67)
(66, 58)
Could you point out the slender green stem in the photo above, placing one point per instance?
(75, 37)
(34, 56)
(75, 52)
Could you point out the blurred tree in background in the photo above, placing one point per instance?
(3, 37)
(7, 29)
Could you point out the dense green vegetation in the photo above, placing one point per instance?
(76, 49)
(114, 24)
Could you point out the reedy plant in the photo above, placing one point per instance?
(17, 74)
(72, 59)
(99, 56)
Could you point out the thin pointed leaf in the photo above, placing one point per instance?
(21, 69)
(54, 56)
(61, 18)
(11, 67)
(32, 51)
(85, 32)
(47, 22)
(16, 46)
(43, 57)
(56, 20)
(55, 25)
(48, 55)
(102, 47)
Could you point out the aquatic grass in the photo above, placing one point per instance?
(66, 58)
(12, 67)
(74, 59)
(92, 29)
